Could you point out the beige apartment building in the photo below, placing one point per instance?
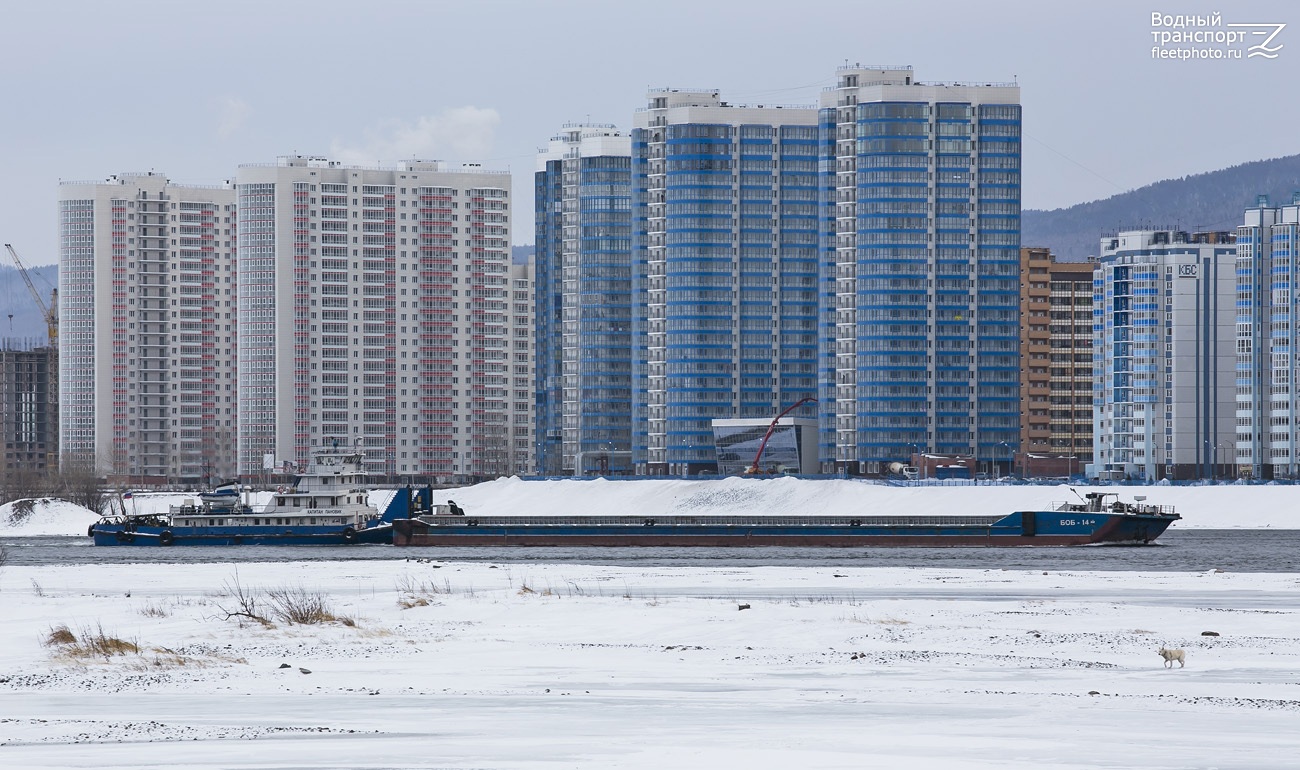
(1056, 384)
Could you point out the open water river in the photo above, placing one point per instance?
(1237, 550)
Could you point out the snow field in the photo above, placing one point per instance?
(565, 665)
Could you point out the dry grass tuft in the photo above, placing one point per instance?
(89, 643)
(60, 635)
(163, 658)
(527, 590)
(154, 611)
(419, 593)
(296, 605)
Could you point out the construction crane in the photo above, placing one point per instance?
(50, 311)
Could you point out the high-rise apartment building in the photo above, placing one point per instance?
(1055, 363)
(1164, 402)
(724, 271)
(1267, 397)
(375, 311)
(520, 428)
(583, 199)
(919, 269)
(29, 408)
(147, 328)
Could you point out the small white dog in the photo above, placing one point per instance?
(1173, 655)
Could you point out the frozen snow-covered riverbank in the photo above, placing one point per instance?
(568, 665)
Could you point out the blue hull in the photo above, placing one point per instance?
(1022, 528)
(160, 530)
(146, 535)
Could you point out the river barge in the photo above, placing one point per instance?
(1099, 519)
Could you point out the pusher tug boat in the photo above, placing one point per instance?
(328, 505)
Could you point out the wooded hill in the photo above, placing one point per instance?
(1210, 201)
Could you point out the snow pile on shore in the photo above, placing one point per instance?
(44, 517)
(1204, 507)
(432, 664)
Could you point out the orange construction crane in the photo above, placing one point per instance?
(51, 311)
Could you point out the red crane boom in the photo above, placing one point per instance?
(754, 468)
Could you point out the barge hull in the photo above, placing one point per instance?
(1022, 528)
(755, 540)
(102, 534)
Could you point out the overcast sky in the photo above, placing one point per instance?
(194, 89)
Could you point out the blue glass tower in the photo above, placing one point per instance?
(1266, 443)
(919, 269)
(584, 302)
(725, 208)
(548, 309)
